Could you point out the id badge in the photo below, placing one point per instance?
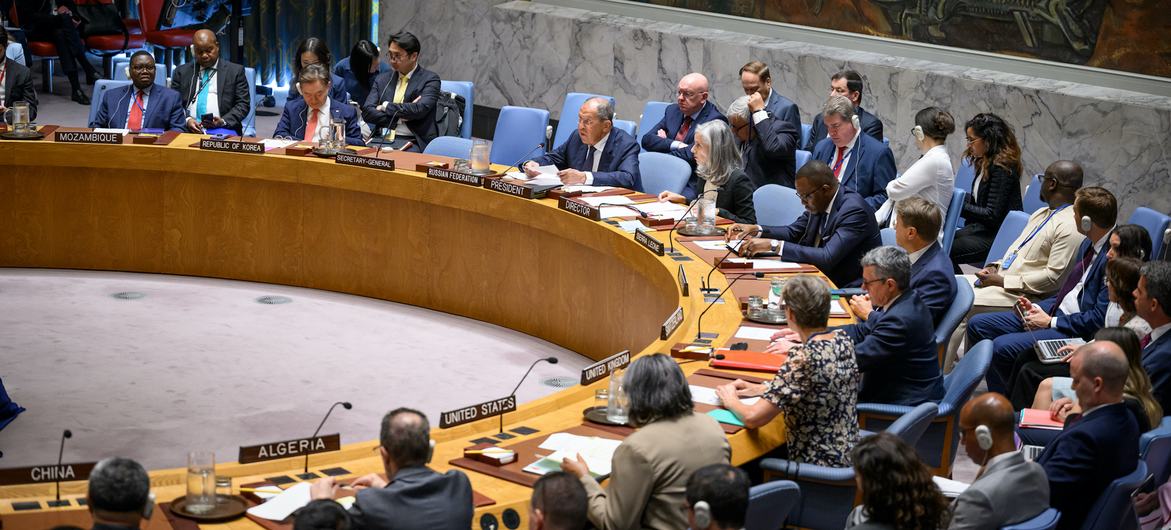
(1004, 265)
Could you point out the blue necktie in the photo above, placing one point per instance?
(201, 98)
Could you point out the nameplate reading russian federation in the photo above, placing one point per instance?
(486, 409)
(79, 137)
(671, 324)
(508, 188)
(371, 162)
(579, 208)
(290, 448)
(455, 176)
(231, 146)
(46, 473)
(646, 240)
(605, 367)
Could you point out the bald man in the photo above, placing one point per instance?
(215, 91)
(675, 133)
(1008, 489)
(1098, 446)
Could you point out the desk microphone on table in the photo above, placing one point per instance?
(705, 283)
(640, 213)
(60, 453)
(346, 405)
(699, 321)
(685, 212)
(516, 166)
(550, 360)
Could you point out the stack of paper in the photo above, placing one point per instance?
(586, 189)
(598, 201)
(703, 394)
(758, 264)
(1039, 419)
(597, 453)
(950, 488)
(281, 506)
(755, 333)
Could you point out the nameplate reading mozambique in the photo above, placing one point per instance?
(288, 448)
(455, 176)
(580, 208)
(486, 409)
(46, 473)
(605, 367)
(646, 240)
(210, 144)
(671, 324)
(77, 137)
(371, 162)
(683, 285)
(508, 188)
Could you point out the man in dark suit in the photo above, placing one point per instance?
(61, 24)
(849, 84)
(837, 228)
(16, 81)
(1099, 446)
(412, 496)
(860, 162)
(142, 104)
(310, 117)
(118, 495)
(1078, 309)
(768, 143)
(404, 99)
(1153, 304)
(598, 155)
(755, 78)
(675, 133)
(212, 86)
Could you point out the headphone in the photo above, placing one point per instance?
(917, 132)
(1087, 223)
(857, 122)
(983, 437)
(430, 449)
(148, 509)
(703, 514)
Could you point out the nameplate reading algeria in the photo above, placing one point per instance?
(455, 176)
(652, 244)
(290, 448)
(508, 188)
(78, 137)
(46, 473)
(671, 324)
(231, 146)
(580, 208)
(605, 367)
(486, 409)
(371, 162)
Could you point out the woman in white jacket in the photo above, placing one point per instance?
(930, 177)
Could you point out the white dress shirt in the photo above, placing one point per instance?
(1069, 305)
(145, 103)
(1159, 332)
(848, 155)
(213, 92)
(930, 177)
(828, 208)
(918, 254)
(324, 119)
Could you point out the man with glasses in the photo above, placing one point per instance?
(675, 133)
(215, 90)
(598, 155)
(859, 162)
(848, 84)
(402, 102)
(142, 104)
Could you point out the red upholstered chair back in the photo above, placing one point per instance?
(13, 19)
(148, 14)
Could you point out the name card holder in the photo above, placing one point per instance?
(498, 184)
(457, 177)
(372, 162)
(648, 241)
(723, 263)
(231, 146)
(290, 448)
(657, 222)
(487, 409)
(684, 286)
(605, 367)
(46, 473)
(87, 137)
(673, 322)
(580, 208)
(422, 168)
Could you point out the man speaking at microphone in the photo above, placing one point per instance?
(143, 104)
(599, 155)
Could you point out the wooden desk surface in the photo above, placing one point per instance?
(397, 236)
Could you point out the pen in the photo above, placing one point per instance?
(260, 490)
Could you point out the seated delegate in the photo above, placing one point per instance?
(720, 175)
(309, 118)
(142, 104)
(598, 155)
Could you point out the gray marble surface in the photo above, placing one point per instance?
(531, 54)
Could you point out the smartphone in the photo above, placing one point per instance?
(208, 119)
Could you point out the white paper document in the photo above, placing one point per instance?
(617, 211)
(663, 209)
(119, 131)
(272, 143)
(598, 201)
(836, 309)
(630, 226)
(586, 189)
(755, 333)
(283, 505)
(703, 394)
(950, 488)
(715, 244)
(758, 264)
(597, 452)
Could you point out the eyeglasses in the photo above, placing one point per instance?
(864, 282)
(972, 140)
(396, 57)
(688, 94)
(805, 196)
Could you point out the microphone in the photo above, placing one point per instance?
(344, 404)
(699, 321)
(382, 145)
(60, 453)
(516, 166)
(640, 213)
(685, 212)
(705, 282)
(550, 360)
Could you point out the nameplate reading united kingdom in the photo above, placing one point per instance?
(81, 137)
(580, 208)
(671, 324)
(455, 176)
(46, 473)
(371, 162)
(646, 240)
(605, 367)
(290, 448)
(486, 409)
(231, 146)
(509, 188)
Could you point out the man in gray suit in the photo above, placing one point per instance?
(1008, 489)
(412, 496)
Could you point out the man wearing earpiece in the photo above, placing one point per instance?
(1008, 488)
(215, 90)
(859, 162)
(142, 104)
(717, 498)
(412, 496)
(118, 496)
(846, 83)
(310, 117)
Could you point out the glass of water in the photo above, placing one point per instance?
(201, 482)
(618, 406)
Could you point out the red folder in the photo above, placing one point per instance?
(756, 361)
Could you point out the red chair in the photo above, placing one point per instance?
(109, 46)
(173, 41)
(44, 50)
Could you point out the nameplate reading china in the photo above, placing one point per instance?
(46, 473)
(455, 176)
(210, 144)
(486, 409)
(645, 239)
(508, 188)
(671, 324)
(371, 162)
(605, 367)
(580, 208)
(289, 448)
(80, 137)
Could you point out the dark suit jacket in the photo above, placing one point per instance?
(735, 199)
(932, 278)
(617, 167)
(997, 196)
(419, 116)
(355, 88)
(18, 85)
(871, 125)
(235, 99)
(296, 115)
(337, 90)
(417, 498)
(784, 109)
(1093, 300)
(770, 154)
(1157, 362)
(164, 110)
(850, 232)
(1086, 457)
(871, 166)
(897, 354)
(671, 122)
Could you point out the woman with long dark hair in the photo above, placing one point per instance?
(996, 190)
(897, 490)
(314, 51)
(358, 70)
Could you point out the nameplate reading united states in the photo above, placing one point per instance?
(605, 367)
(289, 448)
(580, 208)
(508, 188)
(671, 324)
(486, 409)
(78, 137)
(231, 146)
(455, 176)
(646, 240)
(371, 162)
(46, 473)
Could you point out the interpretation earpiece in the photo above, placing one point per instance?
(857, 122)
(703, 514)
(127, 70)
(983, 437)
(918, 133)
(1087, 223)
(430, 449)
(149, 508)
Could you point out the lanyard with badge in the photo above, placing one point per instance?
(1012, 257)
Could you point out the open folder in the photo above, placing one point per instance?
(597, 453)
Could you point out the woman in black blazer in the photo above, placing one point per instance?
(996, 157)
(721, 171)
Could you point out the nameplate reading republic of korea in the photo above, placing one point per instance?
(371, 162)
(231, 146)
(82, 137)
(605, 367)
(290, 448)
(646, 240)
(580, 208)
(671, 324)
(46, 473)
(508, 188)
(455, 176)
(486, 409)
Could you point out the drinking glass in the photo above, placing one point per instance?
(200, 482)
(480, 152)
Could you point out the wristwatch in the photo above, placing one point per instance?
(773, 245)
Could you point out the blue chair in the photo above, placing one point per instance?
(452, 146)
(1113, 510)
(626, 126)
(652, 112)
(1155, 448)
(567, 122)
(806, 130)
(100, 89)
(1046, 520)
(1032, 202)
(776, 205)
(770, 503)
(467, 89)
(1155, 223)
(802, 157)
(953, 220)
(937, 446)
(518, 131)
(249, 123)
(966, 175)
(888, 236)
(965, 297)
(662, 172)
(160, 74)
(1014, 223)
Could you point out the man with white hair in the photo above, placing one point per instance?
(768, 143)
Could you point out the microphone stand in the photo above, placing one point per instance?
(346, 405)
(550, 360)
(57, 473)
(699, 321)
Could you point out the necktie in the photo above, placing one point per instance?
(311, 127)
(841, 158)
(683, 129)
(1074, 277)
(813, 231)
(400, 91)
(134, 122)
(201, 98)
(1146, 341)
(589, 159)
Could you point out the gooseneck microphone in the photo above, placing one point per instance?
(344, 404)
(640, 213)
(550, 360)
(516, 166)
(705, 283)
(60, 453)
(699, 321)
(685, 212)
